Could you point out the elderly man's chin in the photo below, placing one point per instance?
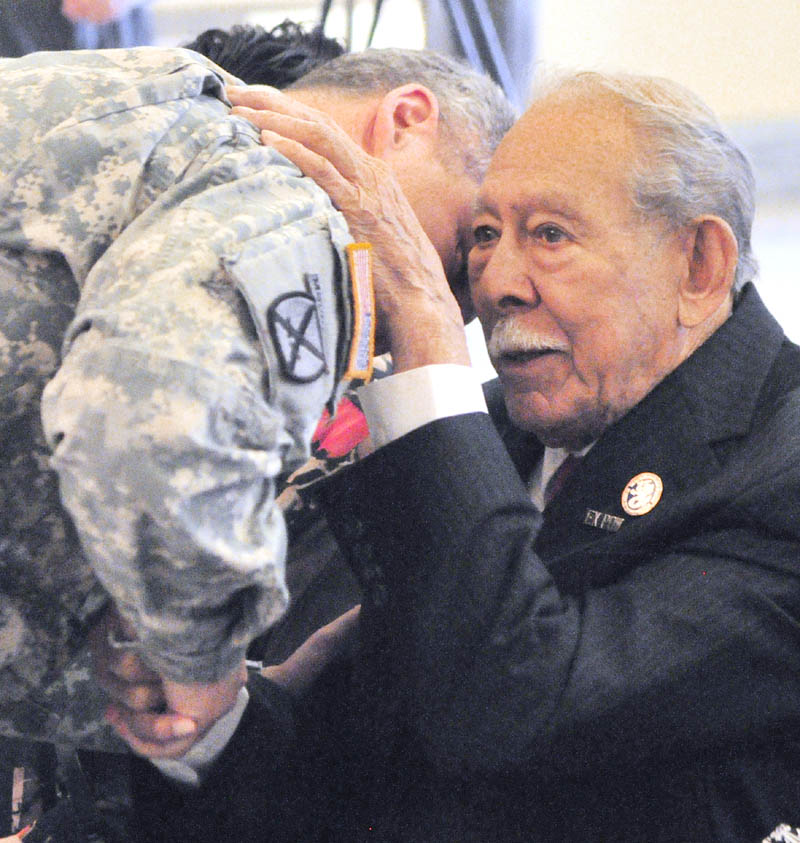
(558, 424)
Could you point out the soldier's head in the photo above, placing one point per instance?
(276, 57)
(435, 122)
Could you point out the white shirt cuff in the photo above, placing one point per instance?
(400, 403)
(189, 768)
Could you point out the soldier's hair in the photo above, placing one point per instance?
(687, 165)
(474, 112)
(276, 57)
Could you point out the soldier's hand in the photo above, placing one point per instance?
(418, 315)
(138, 701)
(193, 708)
(155, 716)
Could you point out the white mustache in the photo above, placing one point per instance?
(508, 337)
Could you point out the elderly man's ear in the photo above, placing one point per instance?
(712, 255)
(404, 116)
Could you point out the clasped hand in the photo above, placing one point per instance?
(160, 718)
(156, 716)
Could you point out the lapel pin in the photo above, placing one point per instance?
(642, 493)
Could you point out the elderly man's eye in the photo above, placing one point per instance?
(549, 233)
(482, 234)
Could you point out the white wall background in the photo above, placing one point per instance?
(401, 23)
(743, 59)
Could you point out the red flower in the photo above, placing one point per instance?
(338, 436)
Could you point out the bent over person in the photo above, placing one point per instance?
(181, 305)
(177, 305)
(607, 654)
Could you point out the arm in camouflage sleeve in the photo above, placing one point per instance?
(174, 410)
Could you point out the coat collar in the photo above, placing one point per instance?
(721, 381)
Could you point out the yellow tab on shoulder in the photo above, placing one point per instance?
(362, 347)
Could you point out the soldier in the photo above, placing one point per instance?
(178, 307)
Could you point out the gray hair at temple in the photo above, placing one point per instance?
(474, 112)
(688, 166)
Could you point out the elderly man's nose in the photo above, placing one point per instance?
(505, 285)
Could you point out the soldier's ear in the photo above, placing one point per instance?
(404, 116)
(712, 254)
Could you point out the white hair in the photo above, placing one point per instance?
(687, 166)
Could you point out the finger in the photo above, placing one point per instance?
(130, 667)
(154, 735)
(288, 125)
(298, 673)
(342, 193)
(205, 703)
(328, 141)
(253, 96)
(113, 668)
(262, 118)
(350, 617)
(260, 97)
(309, 127)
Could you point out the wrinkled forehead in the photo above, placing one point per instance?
(566, 142)
(578, 133)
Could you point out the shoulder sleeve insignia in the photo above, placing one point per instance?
(297, 335)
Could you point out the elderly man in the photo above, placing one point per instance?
(208, 305)
(611, 655)
(624, 666)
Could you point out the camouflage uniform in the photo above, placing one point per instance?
(321, 582)
(173, 319)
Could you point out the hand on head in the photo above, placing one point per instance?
(413, 299)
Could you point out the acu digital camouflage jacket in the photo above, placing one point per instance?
(174, 316)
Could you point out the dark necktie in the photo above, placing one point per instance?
(560, 477)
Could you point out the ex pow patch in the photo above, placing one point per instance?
(297, 335)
